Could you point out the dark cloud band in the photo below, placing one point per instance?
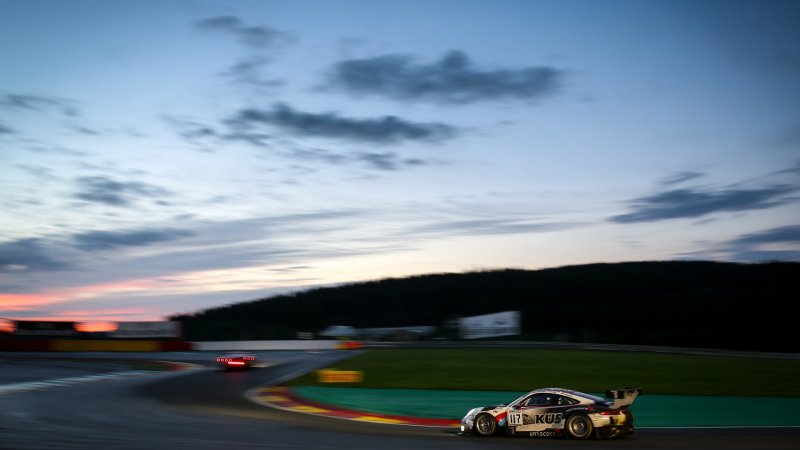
(116, 193)
(452, 79)
(27, 255)
(38, 103)
(782, 235)
(384, 130)
(691, 203)
(109, 240)
(682, 177)
(255, 37)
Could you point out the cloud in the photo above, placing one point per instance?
(27, 255)
(189, 129)
(255, 138)
(84, 130)
(781, 235)
(766, 255)
(681, 177)
(773, 244)
(389, 161)
(38, 103)
(452, 79)
(384, 130)
(249, 71)
(5, 130)
(241, 246)
(255, 37)
(232, 257)
(292, 269)
(202, 135)
(690, 203)
(488, 227)
(104, 190)
(56, 150)
(794, 170)
(109, 240)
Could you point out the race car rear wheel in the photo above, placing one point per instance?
(579, 426)
(485, 425)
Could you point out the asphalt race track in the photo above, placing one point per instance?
(205, 408)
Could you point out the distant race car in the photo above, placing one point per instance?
(236, 360)
(557, 412)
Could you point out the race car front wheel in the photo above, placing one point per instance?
(485, 425)
(579, 426)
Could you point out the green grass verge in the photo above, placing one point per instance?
(589, 371)
(649, 410)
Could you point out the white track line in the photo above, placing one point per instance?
(59, 382)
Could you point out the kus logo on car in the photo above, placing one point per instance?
(518, 418)
(547, 418)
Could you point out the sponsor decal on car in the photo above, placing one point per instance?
(541, 433)
(517, 418)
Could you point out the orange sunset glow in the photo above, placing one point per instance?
(99, 318)
(94, 327)
(6, 326)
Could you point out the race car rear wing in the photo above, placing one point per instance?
(623, 397)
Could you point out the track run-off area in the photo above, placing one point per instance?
(181, 400)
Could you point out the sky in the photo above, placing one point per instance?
(166, 157)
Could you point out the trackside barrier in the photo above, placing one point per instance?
(318, 344)
(65, 345)
(176, 346)
(340, 376)
(104, 345)
(25, 345)
(130, 345)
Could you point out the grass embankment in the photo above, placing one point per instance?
(589, 371)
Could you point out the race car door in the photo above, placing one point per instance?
(540, 413)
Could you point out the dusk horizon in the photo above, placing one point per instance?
(162, 158)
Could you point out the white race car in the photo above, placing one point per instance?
(557, 412)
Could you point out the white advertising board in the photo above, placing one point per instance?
(147, 330)
(506, 323)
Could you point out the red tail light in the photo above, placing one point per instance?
(613, 412)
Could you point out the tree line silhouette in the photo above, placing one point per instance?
(670, 303)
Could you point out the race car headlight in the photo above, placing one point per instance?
(470, 414)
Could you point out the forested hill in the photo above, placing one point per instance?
(677, 303)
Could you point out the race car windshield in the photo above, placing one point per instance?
(517, 400)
